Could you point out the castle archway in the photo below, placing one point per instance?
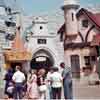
(42, 59)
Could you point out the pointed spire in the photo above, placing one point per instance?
(18, 43)
(18, 52)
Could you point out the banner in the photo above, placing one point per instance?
(17, 56)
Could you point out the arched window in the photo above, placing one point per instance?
(72, 17)
(41, 27)
(85, 23)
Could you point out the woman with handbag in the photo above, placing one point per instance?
(8, 81)
(41, 83)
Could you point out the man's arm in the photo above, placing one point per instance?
(14, 78)
(24, 78)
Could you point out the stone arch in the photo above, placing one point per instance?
(42, 52)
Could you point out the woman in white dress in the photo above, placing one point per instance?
(32, 90)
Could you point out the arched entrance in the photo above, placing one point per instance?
(42, 59)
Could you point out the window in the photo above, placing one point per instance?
(8, 9)
(7, 23)
(85, 23)
(41, 41)
(72, 17)
(87, 60)
(41, 27)
(9, 36)
(10, 24)
(93, 58)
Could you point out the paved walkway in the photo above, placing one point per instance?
(1, 93)
(84, 91)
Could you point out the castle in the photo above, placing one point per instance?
(72, 44)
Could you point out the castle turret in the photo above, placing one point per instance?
(70, 7)
(2, 7)
(40, 26)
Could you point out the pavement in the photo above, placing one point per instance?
(1, 93)
(81, 90)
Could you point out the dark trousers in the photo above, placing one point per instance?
(18, 91)
(56, 93)
(50, 93)
(68, 91)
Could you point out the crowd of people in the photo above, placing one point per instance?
(39, 84)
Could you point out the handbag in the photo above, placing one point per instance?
(42, 88)
(10, 89)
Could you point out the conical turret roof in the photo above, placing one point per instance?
(17, 53)
(18, 43)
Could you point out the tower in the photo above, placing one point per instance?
(2, 7)
(70, 7)
(40, 27)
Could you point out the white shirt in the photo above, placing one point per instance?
(18, 77)
(56, 80)
(48, 77)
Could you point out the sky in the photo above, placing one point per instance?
(47, 6)
(49, 10)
